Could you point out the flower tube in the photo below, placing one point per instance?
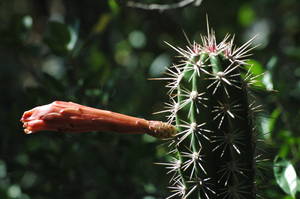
(71, 117)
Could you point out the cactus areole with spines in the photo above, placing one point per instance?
(213, 153)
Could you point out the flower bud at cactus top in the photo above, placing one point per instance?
(214, 149)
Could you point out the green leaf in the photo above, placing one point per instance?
(284, 150)
(274, 116)
(272, 63)
(285, 176)
(263, 77)
(114, 6)
(267, 78)
(288, 197)
(255, 67)
(159, 65)
(246, 15)
(268, 123)
(60, 38)
(102, 23)
(257, 70)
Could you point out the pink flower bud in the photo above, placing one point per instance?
(71, 117)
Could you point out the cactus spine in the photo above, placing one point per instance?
(213, 153)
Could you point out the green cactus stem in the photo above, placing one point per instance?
(213, 153)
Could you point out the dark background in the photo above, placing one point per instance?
(100, 53)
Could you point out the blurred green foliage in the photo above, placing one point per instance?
(100, 53)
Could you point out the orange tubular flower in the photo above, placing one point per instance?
(72, 117)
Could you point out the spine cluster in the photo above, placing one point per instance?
(213, 153)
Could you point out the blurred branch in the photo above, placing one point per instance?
(163, 7)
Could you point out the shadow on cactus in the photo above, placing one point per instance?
(210, 122)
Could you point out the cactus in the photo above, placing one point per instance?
(213, 153)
